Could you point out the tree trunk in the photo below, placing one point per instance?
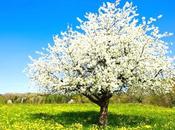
(103, 119)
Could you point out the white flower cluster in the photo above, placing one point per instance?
(112, 52)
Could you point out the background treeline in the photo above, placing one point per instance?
(167, 100)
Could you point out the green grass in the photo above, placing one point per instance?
(84, 116)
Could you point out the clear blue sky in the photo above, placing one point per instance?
(28, 25)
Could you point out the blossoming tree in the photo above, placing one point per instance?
(109, 52)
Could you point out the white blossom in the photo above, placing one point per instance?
(112, 51)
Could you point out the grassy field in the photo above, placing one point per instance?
(84, 116)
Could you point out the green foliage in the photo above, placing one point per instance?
(2, 100)
(167, 100)
(84, 117)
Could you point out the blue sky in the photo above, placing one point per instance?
(28, 25)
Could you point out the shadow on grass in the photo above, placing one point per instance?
(91, 117)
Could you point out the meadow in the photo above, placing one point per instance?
(84, 117)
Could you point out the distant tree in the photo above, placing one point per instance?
(109, 53)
